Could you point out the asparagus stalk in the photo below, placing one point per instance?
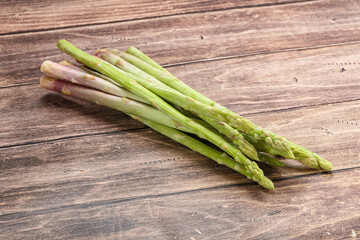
(131, 85)
(273, 143)
(195, 145)
(168, 93)
(144, 113)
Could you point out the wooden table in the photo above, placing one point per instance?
(72, 170)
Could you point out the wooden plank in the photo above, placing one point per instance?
(192, 37)
(131, 165)
(246, 85)
(24, 16)
(314, 207)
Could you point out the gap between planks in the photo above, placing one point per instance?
(154, 17)
(10, 216)
(147, 128)
(296, 49)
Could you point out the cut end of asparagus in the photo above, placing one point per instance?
(60, 44)
(54, 84)
(45, 67)
(47, 82)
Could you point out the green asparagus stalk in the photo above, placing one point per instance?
(303, 155)
(277, 143)
(300, 153)
(195, 145)
(143, 113)
(168, 93)
(131, 85)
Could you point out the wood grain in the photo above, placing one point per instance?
(131, 165)
(188, 38)
(73, 170)
(311, 207)
(24, 16)
(245, 85)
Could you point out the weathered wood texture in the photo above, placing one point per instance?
(73, 170)
(176, 39)
(316, 207)
(20, 16)
(136, 163)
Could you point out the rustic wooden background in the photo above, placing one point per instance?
(73, 170)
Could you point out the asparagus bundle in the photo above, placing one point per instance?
(133, 83)
(262, 139)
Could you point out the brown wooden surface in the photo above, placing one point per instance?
(73, 170)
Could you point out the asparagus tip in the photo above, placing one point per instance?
(325, 165)
(267, 183)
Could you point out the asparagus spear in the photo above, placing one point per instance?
(131, 85)
(220, 158)
(168, 93)
(300, 153)
(142, 112)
